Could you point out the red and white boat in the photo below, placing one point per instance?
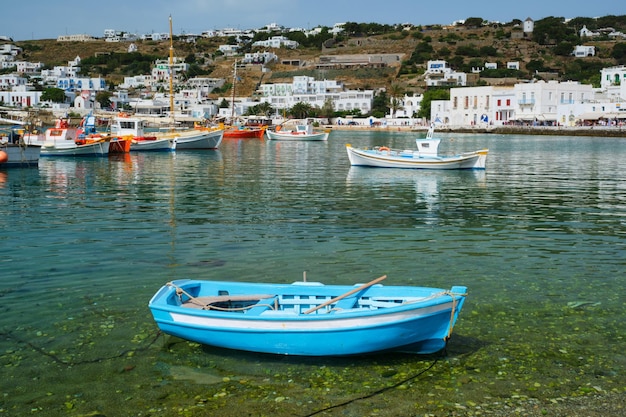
(125, 128)
(66, 140)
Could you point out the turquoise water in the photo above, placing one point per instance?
(538, 238)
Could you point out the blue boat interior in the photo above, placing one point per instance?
(192, 296)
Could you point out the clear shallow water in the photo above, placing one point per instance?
(538, 238)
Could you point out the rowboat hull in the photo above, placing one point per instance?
(297, 136)
(99, 148)
(19, 155)
(199, 139)
(248, 133)
(390, 158)
(153, 145)
(379, 318)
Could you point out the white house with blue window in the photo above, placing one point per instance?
(438, 73)
(81, 83)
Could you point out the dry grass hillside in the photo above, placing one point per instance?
(444, 42)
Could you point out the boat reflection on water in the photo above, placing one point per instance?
(430, 187)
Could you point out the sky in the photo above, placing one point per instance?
(46, 19)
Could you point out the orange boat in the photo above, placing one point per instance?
(120, 144)
(244, 132)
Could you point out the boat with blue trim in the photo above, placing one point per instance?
(309, 318)
(425, 157)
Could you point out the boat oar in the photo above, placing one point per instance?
(357, 289)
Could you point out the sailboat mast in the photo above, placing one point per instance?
(171, 72)
(232, 103)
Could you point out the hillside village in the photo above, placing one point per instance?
(462, 75)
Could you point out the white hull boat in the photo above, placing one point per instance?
(19, 155)
(152, 143)
(300, 133)
(64, 140)
(425, 157)
(99, 148)
(389, 158)
(201, 138)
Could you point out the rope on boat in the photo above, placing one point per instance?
(451, 316)
(207, 306)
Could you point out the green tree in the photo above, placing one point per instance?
(564, 48)
(535, 65)
(395, 98)
(379, 104)
(422, 53)
(430, 95)
(328, 109)
(553, 30)
(619, 53)
(55, 95)
(301, 110)
(473, 22)
(104, 98)
(261, 109)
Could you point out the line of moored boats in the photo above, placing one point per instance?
(129, 134)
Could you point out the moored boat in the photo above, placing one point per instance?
(309, 318)
(65, 140)
(425, 157)
(199, 138)
(18, 155)
(244, 132)
(126, 128)
(299, 133)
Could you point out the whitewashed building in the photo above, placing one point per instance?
(586, 33)
(8, 81)
(438, 73)
(409, 106)
(81, 83)
(583, 51)
(276, 42)
(259, 57)
(137, 81)
(471, 106)
(542, 102)
(25, 67)
(20, 96)
(538, 103)
(613, 76)
(305, 89)
(228, 50)
(76, 38)
(161, 70)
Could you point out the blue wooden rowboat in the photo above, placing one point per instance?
(309, 318)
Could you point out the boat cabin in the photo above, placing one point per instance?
(127, 126)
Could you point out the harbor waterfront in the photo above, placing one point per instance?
(538, 239)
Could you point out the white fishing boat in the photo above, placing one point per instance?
(65, 140)
(425, 157)
(18, 154)
(299, 133)
(198, 138)
(130, 128)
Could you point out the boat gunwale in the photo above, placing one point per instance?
(437, 297)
